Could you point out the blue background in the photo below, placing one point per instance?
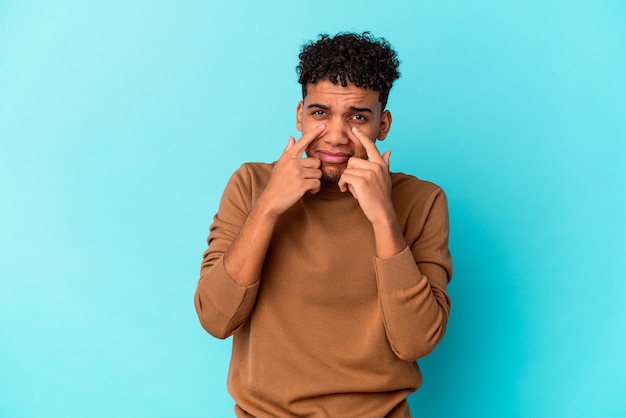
(120, 123)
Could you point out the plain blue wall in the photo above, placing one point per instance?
(120, 123)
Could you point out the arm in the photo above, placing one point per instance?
(412, 285)
(291, 178)
(412, 277)
(239, 238)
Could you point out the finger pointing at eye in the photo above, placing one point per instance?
(300, 146)
(370, 148)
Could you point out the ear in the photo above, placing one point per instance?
(385, 125)
(299, 115)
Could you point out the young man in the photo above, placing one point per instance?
(329, 271)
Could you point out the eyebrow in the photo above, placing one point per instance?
(318, 106)
(351, 108)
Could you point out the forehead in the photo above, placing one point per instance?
(335, 95)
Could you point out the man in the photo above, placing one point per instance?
(329, 271)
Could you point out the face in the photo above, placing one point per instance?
(340, 108)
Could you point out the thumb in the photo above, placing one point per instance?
(386, 157)
(290, 144)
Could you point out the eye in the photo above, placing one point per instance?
(359, 117)
(318, 114)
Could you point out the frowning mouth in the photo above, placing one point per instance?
(328, 157)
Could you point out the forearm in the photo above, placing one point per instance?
(244, 258)
(414, 312)
(412, 283)
(223, 304)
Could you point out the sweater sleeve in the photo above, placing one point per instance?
(412, 285)
(221, 304)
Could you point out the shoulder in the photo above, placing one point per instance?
(422, 209)
(253, 173)
(249, 181)
(405, 186)
(255, 169)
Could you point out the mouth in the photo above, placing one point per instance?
(333, 157)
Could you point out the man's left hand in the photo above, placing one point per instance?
(369, 181)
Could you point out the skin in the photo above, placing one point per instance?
(339, 128)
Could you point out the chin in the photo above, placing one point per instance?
(331, 176)
(331, 179)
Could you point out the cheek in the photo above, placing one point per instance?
(308, 124)
(359, 151)
(357, 147)
(310, 150)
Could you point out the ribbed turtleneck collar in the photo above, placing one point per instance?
(331, 191)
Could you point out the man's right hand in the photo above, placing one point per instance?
(293, 175)
(291, 178)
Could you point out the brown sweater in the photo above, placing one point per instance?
(330, 330)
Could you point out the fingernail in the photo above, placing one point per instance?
(321, 126)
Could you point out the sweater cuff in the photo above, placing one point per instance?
(396, 273)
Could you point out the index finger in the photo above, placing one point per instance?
(300, 146)
(370, 148)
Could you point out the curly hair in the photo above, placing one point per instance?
(362, 59)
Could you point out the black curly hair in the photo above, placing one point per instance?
(361, 59)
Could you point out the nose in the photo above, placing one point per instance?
(336, 132)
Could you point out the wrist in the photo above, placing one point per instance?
(389, 238)
(264, 211)
(387, 220)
